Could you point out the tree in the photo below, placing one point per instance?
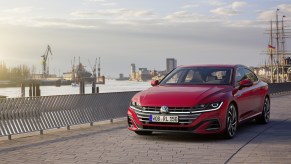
(4, 72)
(16, 74)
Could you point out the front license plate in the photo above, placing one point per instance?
(161, 118)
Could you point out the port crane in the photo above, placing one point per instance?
(73, 70)
(93, 68)
(45, 68)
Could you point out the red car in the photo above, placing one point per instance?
(203, 99)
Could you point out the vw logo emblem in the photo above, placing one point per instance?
(164, 109)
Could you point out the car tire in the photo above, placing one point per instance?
(231, 122)
(264, 118)
(143, 132)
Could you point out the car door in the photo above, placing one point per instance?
(243, 96)
(257, 97)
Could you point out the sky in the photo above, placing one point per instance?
(144, 32)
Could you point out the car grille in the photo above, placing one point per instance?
(185, 114)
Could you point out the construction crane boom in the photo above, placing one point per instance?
(45, 69)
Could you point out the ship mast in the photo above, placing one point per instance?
(99, 74)
(277, 47)
(277, 53)
(271, 51)
(283, 48)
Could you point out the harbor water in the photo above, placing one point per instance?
(110, 86)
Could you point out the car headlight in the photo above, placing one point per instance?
(135, 104)
(210, 106)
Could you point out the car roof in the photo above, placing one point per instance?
(213, 65)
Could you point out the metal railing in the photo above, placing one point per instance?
(279, 87)
(29, 114)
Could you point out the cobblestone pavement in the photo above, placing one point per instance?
(113, 143)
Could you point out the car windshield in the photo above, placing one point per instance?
(198, 76)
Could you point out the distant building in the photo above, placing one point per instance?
(122, 77)
(171, 64)
(143, 74)
(287, 61)
(132, 71)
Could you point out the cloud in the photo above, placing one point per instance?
(115, 13)
(190, 6)
(266, 15)
(238, 4)
(187, 17)
(17, 10)
(285, 7)
(97, 0)
(247, 23)
(109, 4)
(224, 11)
(229, 10)
(215, 3)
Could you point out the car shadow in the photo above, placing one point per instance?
(246, 132)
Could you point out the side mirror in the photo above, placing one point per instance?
(154, 82)
(245, 83)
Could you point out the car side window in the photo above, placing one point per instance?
(239, 75)
(175, 77)
(250, 75)
(189, 76)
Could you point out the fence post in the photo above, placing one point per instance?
(94, 86)
(30, 89)
(82, 87)
(37, 90)
(33, 89)
(22, 89)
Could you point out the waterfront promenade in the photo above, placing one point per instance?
(113, 143)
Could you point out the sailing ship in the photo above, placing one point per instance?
(278, 67)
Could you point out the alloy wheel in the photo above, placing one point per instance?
(266, 110)
(231, 122)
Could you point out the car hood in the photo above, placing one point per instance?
(178, 96)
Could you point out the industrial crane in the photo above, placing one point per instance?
(45, 69)
(93, 68)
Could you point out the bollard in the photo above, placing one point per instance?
(68, 128)
(9, 137)
(94, 87)
(30, 90)
(111, 120)
(91, 123)
(82, 87)
(97, 89)
(22, 89)
(37, 90)
(33, 89)
(41, 132)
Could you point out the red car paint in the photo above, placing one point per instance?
(246, 94)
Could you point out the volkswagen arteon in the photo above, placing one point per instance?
(203, 99)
